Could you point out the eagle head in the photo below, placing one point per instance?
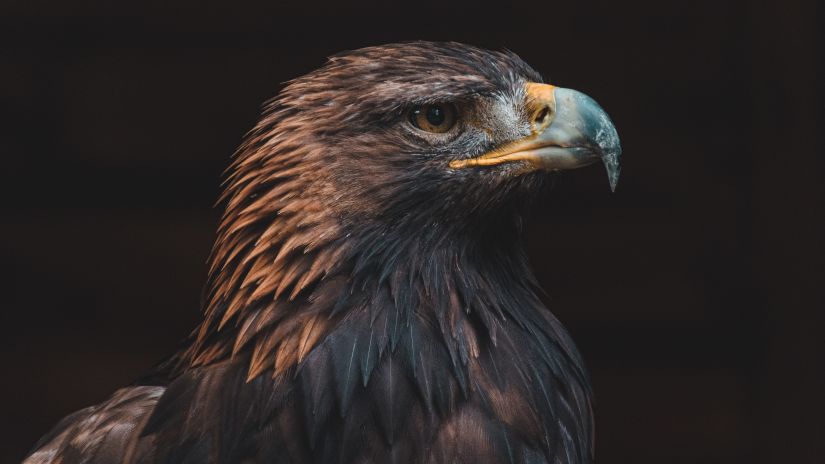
(399, 161)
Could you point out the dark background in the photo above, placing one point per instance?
(694, 292)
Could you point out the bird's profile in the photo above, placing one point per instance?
(369, 300)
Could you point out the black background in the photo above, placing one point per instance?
(694, 292)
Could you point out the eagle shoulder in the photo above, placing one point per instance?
(98, 434)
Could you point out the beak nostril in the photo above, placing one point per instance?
(541, 115)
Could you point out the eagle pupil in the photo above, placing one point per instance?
(435, 115)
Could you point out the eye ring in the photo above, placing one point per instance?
(436, 118)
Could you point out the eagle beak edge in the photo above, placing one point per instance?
(570, 130)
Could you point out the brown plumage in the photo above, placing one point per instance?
(365, 303)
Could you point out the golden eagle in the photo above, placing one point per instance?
(369, 299)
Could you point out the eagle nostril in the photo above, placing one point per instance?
(541, 116)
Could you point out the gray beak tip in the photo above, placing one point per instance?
(614, 169)
(581, 121)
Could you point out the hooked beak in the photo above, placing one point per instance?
(569, 130)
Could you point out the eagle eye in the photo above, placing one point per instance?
(437, 118)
